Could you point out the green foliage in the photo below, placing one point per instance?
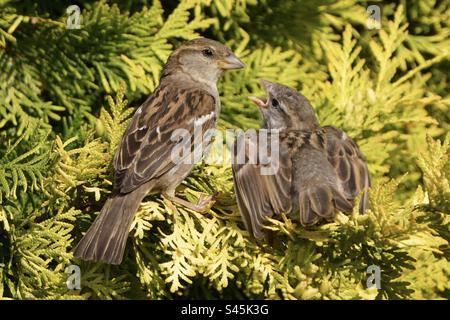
(386, 88)
(435, 165)
(19, 169)
(435, 266)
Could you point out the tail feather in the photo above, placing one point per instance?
(106, 238)
(341, 203)
(364, 202)
(321, 202)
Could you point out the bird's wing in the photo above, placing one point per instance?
(314, 177)
(348, 162)
(146, 149)
(259, 195)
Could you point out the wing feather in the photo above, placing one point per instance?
(146, 147)
(261, 196)
(348, 161)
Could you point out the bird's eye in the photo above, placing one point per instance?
(275, 103)
(207, 52)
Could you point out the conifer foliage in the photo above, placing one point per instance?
(67, 94)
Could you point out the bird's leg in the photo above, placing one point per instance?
(201, 206)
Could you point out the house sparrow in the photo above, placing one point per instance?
(186, 99)
(320, 169)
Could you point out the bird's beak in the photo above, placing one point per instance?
(266, 84)
(260, 102)
(231, 62)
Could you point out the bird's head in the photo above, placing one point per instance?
(204, 60)
(285, 108)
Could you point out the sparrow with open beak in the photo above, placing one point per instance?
(320, 169)
(186, 99)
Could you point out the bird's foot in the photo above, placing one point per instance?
(204, 203)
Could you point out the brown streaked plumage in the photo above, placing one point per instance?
(187, 99)
(320, 169)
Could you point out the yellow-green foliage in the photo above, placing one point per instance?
(435, 165)
(63, 110)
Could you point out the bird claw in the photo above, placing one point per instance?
(206, 202)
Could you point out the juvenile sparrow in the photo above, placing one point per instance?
(186, 98)
(320, 169)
